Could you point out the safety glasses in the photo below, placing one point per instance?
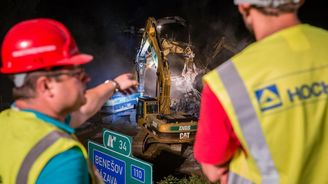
(76, 72)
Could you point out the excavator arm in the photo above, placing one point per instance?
(150, 42)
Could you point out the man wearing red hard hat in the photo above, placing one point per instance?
(37, 136)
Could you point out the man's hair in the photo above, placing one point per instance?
(275, 11)
(27, 90)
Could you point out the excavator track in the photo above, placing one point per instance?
(138, 145)
(146, 147)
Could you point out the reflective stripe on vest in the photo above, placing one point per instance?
(248, 122)
(35, 152)
(235, 178)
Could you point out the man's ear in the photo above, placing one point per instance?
(244, 9)
(43, 86)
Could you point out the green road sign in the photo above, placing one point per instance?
(115, 163)
(117, 142)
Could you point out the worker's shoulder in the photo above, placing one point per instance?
(316, 31)
(24, 122)
(285, 42)
(316, 35)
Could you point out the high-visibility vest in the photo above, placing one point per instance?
(275, 93)
(27, 144)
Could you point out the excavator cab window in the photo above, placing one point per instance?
(146, 105)
(152, 108)
(140, 113)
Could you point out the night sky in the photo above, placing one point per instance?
(108, 29)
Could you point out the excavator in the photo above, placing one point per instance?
(165, 46)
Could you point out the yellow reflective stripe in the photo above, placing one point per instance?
(237, 179)
(35, 152)
(248, 121)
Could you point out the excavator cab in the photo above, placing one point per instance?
(146, 106)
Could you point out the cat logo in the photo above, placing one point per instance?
(268, 97)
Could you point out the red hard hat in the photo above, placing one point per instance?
(39, 44)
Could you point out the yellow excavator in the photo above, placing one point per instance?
(165, 45)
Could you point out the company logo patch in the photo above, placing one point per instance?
(268, 97)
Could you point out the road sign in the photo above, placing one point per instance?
(117, 142)
(115, 163)
(112, 170)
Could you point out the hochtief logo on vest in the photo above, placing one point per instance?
(268, 97)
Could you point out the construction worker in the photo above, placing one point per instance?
(263, 115)
(37, 139)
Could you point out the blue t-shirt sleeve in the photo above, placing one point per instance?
(67, 167)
